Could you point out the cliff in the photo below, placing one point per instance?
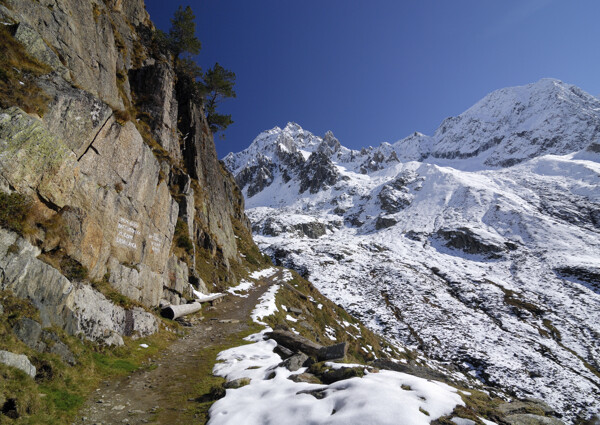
(115, 168)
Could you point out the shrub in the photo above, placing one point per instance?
(73, 269)
(13, 210)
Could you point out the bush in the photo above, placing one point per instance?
(13, 210)
(73, 269)
(182, 236)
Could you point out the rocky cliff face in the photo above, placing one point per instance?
(120, 170)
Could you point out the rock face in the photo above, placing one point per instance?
(120, 169)
(73, 306)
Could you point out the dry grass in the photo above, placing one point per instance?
(18, 71)
(56, 394)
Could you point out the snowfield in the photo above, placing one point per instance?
(379, 398)
(479, 245)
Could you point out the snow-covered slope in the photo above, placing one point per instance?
(479, 245)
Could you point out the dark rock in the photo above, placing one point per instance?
(318, 173)
(158, 103)
(468, 241)
(333, 352)
(237, 383)
(63, 352)
(312, 230)
(295, 362)
(30, 332)
(257, 176)
(384, 222)
(318, 394)
(532, 406)
(330, 375)
(584, 274)
(305, 377)
(9, 408)
(393, 200)
(419, 371)
(295, 342)
(283, 352)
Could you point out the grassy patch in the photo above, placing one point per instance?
(59, 390)
(182, 238)
(18, 71)
(14, 208)
(317, 323)
(205, 388)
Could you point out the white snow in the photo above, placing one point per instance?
(541, 214)
(244, 286)
(263, 273)
(266, 305)
(378, 398)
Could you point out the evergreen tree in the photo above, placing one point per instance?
(216, 86)
(182, 35)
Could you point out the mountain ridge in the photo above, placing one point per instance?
(482, 260)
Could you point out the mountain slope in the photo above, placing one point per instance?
(492, 268)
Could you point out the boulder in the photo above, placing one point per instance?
(295, 342)
(294, 362)
(20, 361)
(30, 332)
(298, 343)
(283, 352)
(329, 375)
(237, 383)
(63, 352)
(529, 405)
(309, 378)
(383, 222)
(333, 352)
(529, 419)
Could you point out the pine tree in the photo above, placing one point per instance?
(216, 86)
(182, 35)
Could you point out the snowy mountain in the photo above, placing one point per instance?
(479, 245)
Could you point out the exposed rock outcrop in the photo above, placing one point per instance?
(121, 170)
(20, 361)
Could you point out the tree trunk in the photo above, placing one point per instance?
(174, 311)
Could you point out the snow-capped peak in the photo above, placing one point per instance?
(478, 245)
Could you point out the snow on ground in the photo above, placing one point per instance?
(266, 306)
(263, 273)
(377, 398)
(479, 245)
(244, 286)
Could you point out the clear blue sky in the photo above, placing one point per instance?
(375, 71)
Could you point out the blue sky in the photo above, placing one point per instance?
(375, 71)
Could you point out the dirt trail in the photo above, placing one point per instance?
(160, 395)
